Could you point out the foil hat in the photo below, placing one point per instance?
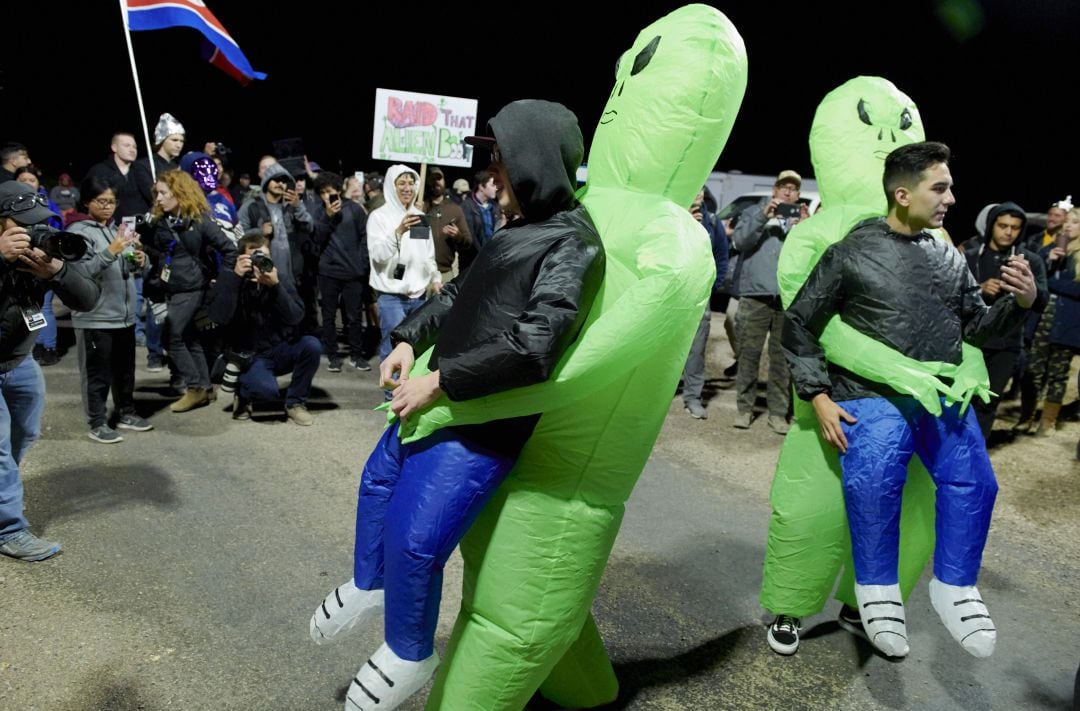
(167, 125)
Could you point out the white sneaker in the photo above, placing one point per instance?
(881, 608)
(386, 681)
(343, 609)
(964, 614)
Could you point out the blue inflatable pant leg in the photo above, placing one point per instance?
(954, 451)
(381, 473)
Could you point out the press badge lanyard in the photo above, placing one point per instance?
(31, 312)
(165, 270)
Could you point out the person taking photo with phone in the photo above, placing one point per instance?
(340, 238)
(402, 253)
(758, 237)
(105, 334)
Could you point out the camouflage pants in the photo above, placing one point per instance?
(1048, 364)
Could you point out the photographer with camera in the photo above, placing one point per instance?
(279, 215)
(262, 313)
(33, 259)
(758, 237)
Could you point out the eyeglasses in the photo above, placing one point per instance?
(104, 203)
(22, 203)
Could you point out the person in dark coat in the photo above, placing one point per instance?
(1005, 225)
(503, 324)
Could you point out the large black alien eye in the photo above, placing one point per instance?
(905, 120)
(863, 116)
(645, 56)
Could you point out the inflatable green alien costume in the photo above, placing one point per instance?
(534, 557)
(855, 127)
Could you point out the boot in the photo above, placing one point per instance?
(1049, 419)
(192, 398)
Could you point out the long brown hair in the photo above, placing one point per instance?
(192, 202)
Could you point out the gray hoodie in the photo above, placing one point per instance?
(292, 225)
(115, 308)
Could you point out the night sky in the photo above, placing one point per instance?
(993, 79)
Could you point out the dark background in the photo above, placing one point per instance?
(994, 79)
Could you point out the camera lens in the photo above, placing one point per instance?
(228, 380)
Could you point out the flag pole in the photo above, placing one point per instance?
(138, 91)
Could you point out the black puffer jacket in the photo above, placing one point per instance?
(506, 322)
(915, 294)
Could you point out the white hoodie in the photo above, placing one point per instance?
(387, 250)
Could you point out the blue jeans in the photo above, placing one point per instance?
(393, 308)
(259, 382)
(47, 336)
(22, 400)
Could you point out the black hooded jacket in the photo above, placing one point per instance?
(985, 263)
(914, 293)
(506, 322)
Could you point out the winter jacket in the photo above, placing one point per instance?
(292, 226)
(258, 317)
(914, 293)
(1065, 330)
(985, 263)
(448, 213)
(19, 289)
(759, 239)
(194, 250)
(116, 307)
(506, 322)
(342, 239)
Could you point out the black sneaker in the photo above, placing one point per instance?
(360, 364)
(784, 634)
(132, 421)
(731, 370)
(155, 365)
(850, 620)
(105, 435)
(49, 356)
(335, 365)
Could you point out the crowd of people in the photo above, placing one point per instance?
(231, 286)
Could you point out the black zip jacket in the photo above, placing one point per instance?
(507, 321)
(257, 317)
(914, 293)
(342, 240)
(194, 256)
(19, 290)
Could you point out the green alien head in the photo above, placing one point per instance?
(677, 93)
(856, 125)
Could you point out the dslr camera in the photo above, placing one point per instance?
(262, 261)
(55, 243)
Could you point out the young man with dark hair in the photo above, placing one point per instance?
(263, 314)
(482, 213)
(892, 280)
(1003, 238)
(340, 239)
(449, 228)
(12, 157)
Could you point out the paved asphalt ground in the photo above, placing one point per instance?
(194, 555)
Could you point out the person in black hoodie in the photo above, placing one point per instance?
(503, 324)
(340, 239)
(1005, 227)
(893, 281)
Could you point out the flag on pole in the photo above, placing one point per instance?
(220, 50)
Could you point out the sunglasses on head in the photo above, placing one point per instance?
(22, 203)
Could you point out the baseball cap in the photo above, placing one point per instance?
(21, 203)
(789, 176)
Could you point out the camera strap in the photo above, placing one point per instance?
(166, 269)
